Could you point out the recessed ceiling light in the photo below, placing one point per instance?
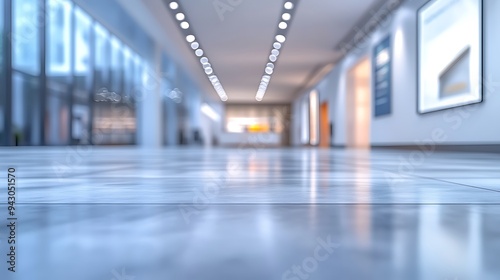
(283, 25)
(199, 52)
(286, 16)
(277, 45)
(207, 65)
(272, 58)
(269, 70)
(209, 70)
(203, 60)
(266, 78)
(275, 52)
(270, 65)
(190, 38)
(280, 38)
(195, 45)
(180, 16)
(174, 5)
(288, 5)
(224, 98)
(184, 25)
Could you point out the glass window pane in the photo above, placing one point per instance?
(25, 36)
(127, 72)
(26, 113)
(82, 52)
(2, 78)
(1, 35)
(59, 38)
(102, 57)
(116, 65)
(82, 42)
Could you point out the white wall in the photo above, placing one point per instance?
(475, 124)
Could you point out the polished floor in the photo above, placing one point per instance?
(192, 214)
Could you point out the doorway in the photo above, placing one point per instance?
(359, 105)
(324, 123)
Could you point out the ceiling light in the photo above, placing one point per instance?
(266, 78)
(174, 5)
(273, 58)
(270, 65)
(280, 38)
(286, 16)
(275, 52)
(283, 25)
(277, 45)
(288, 5)
(176, 8)
(269, 70)
(180, 16)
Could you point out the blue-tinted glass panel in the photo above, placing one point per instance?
(102, 57)
(82, 42)
(82, 61)
(128, 69)
(116, 65)
(59, 38)
(26, 109)
(3, 117)
(25, 36)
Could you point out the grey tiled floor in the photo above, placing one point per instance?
(103, 213)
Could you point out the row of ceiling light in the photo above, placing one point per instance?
(286, 16)
(198, 51)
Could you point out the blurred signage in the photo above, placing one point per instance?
(382, 72)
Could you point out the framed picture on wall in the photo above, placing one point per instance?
(450, 54)
(382, 74)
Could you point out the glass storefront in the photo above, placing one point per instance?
(88, 85)
(3, 97)
(58, 71)
(80, 126)
(26, 100)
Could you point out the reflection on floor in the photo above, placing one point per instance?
(125, 213)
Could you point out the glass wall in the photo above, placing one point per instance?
(81, 85)
(58, 71)
(26, 99)
(2, 78)
(80, 128)
(114, 120)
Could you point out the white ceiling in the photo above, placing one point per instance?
(239, 45)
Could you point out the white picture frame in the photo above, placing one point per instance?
(450, 52)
